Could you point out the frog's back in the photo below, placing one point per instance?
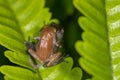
(45, 47)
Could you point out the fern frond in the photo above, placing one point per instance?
(95, 45)
(113, 21)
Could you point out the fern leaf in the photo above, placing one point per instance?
(113, 13)
(18, 58)
(59, 72)
(17, 73)
(31, 17)
(95, 45)
(20, 19)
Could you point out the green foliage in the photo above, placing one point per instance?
(20, 19)
(18, 58)
(22, 74)
(95, 45)
(99, 47)
(113, 13)
(59, 72)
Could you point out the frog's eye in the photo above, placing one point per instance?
(53, 24)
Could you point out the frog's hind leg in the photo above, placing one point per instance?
(61, 59)
(54, 59)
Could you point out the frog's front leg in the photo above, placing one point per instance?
(37, 38)
(32, 54)
(35, 56)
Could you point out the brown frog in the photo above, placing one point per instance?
(46, 48)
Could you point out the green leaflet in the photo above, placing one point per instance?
(113, 17)
(19, 58)
(9, 38)
(17, 73)
(95, 45)
(75, 74)
(30, 15)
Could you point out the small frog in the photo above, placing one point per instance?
(46, 48)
